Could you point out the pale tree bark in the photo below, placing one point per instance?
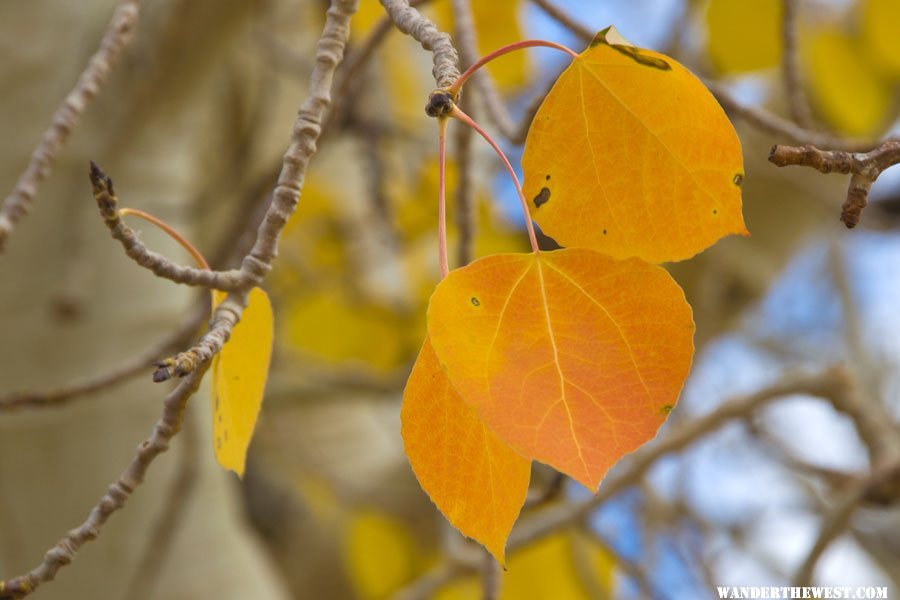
(72, 303)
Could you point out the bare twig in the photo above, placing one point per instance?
(864, 169)
(115, 497)
(411, 22)
(117, 37)
(790, 67)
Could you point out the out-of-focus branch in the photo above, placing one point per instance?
(864, 169)
(491, 578)
(465, 207)
(112, 376)
(118, 35)
(66, 549)
(411, 22)
(566, 20)
(836, 521)
(555, 517)
(821, 385)
(790, 66)
(772, 123)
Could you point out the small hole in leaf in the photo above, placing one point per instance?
(475, 301)
(738, 180)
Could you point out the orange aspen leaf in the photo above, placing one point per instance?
(631, 155)
(239, 375)
(573, 358)
(477, 481)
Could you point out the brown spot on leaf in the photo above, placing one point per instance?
(738, 179)
(542, 197)
(666, 409)
(475, 301)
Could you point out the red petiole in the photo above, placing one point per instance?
(457, 85)
(460, 115)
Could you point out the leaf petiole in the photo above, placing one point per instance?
(198, 258)
(456, 113)
(457, 85)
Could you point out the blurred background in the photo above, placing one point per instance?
(192, 127)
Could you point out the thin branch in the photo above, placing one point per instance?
(112, 376)
(411, 22)
(864, 169)
(790, 67)
(118, 35)
(67, 548)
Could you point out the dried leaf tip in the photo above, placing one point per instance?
(611, 37)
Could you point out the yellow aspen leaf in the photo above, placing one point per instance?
(573, 358)
(379, 554)
(845, 87)
(478, 482)
(880, 21)
(744, 36)
(567, 565)
(631, 155)
(496, 24)
(239, 375)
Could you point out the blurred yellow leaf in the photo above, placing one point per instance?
(881, 22)
(564, 566)
(497, 23)
(844, 86)
(331, 327)
(379, 554)
(239, 380)
(743, 35)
